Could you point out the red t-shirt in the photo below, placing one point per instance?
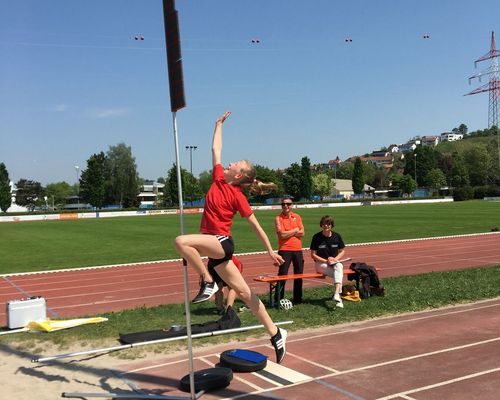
(287, 223)
(222, 202)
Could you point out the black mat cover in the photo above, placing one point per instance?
(208, 379)
(228, 321)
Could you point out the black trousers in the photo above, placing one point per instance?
(295, 258)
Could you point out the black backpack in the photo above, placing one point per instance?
(367, 280)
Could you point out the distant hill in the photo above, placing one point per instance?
(462, 145)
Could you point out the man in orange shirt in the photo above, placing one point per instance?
(290, 232)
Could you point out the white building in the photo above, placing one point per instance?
(343, 188)
(431, 141)
(14, 207)
(149, 193)
(451, 137)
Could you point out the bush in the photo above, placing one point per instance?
(480, 192)
(463, 193)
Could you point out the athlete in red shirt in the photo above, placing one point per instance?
(223, 200)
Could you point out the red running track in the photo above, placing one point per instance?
(450, 353)
(91, 291)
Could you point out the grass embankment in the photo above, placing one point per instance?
(404, 294)
(46, 245)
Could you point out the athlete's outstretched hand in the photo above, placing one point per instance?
(222, 118)
(277, 259)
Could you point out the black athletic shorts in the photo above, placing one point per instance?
(228, 247)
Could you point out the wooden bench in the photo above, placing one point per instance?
(273, 281)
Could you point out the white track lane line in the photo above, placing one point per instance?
(321, 378)
(414, 357)
(242, 254)
(288, 354)
(443, 383)
(337, 373)
(391, 361)
(382, 325)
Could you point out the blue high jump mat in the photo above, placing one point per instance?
(242, 360)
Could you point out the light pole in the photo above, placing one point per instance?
(191, 149)
(337, 160)
(77, 169)
(415, 159)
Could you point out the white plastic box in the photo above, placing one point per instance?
(20, 312)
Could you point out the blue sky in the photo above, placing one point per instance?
(73, 81)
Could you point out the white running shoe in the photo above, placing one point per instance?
(207, 290)
(279, 343)
(338, 300)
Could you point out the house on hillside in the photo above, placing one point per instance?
(329, 166)
(407, 147)
(380, 161)
(380, 153)
(451, 137)
(393, 148)
(342, 188)
(431, 141)
(410, 146)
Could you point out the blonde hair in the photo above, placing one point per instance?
(255, 186)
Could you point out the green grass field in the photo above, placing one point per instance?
(46, 245)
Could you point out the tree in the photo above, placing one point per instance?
(492, 148)
(122, 180)
(204, 181)
(374, 175)
(5, 195)
(191, 188)
(444, 162)
(459, 177)
(462, 129)
(291, 181)
(93, 180)
(368, 172)
(267, 175)
(322, 185)
(406, 184)
(435, 180)
(398, 163)
(171, 191)
(306, 178)
(58, 192)
(358, 182)
(344, 170)
(479, 164)
(426, 160)
(379, 179)
(29, 193)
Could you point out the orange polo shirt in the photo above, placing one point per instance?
(287, 223)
